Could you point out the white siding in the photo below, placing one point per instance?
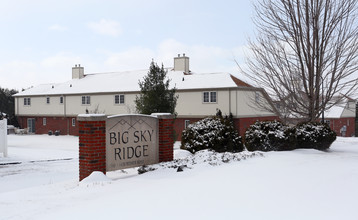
(190, 104)
(39, 106)
(103, 104)
(349, 110)
(246, 105)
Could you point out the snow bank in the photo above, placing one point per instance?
(181, 154)
(96, 178)
(300, 184)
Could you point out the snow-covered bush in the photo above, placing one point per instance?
(216, 133)
(314, 135)
(273, 136)
(203, 157)
(269, 136)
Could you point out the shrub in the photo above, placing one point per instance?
(314, 135)
(269, 136)
(216, 133)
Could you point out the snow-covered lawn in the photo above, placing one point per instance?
(39, 180)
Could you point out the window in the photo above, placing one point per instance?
(186, 123)
(206, 96)
(73, 122)
(119, 99)
(47, 100)
(44, 121)
(328, 122)
(61, 99)
(212, 96)
(27, 101)
(257, 97)
(86, 100)
(209, 97)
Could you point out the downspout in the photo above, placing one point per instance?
(18, 112)
(238, 119)
(236, 103)
(65, 114)
(64, 106)
(229, 101)
(17, 106)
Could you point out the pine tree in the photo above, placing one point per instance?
(7, 104)
(155, 94)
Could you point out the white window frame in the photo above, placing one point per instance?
(62, 99)
(120, 101)
(48, 100)
(86, 100)
(209, 98)
(27, 101)
(73, 122)
(44, 121)
(186, 124)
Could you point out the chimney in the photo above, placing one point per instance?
(181, 63)
(78, 72)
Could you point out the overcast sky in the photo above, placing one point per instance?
(41, 40)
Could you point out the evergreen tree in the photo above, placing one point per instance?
(155, 94)
(7, 104)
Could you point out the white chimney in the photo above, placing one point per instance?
(181, 63)
(78, 72)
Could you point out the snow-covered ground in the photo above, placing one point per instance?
(39, 180)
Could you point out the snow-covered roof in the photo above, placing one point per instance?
(128, 82)
(334, 112)
(342, 108)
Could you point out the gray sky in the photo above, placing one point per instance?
(42, 39)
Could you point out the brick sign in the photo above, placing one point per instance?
(119, 142)
(131, 141)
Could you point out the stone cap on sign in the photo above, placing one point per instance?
(114, 116)
(163, 115)
(91, 117)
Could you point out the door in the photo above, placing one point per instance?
(31, 125)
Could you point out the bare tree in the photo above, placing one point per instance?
(305, 53)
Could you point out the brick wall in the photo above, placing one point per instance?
(92, 144)
(179, 126)
(62, 124)
(241, 124)
(166, 137)
(337, 123)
